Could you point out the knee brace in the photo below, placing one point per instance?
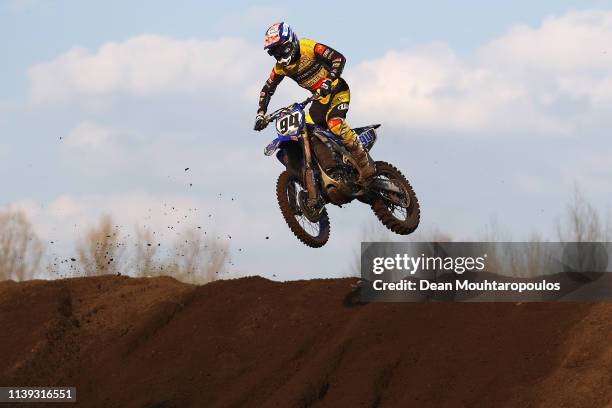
(340, 128)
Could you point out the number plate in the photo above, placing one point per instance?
(290, 124)
(368, 138)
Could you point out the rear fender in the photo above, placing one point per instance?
(367, 136)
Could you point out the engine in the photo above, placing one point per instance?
(326, 156)
(336, 181)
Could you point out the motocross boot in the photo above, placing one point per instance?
(365, 167)
(340, 128)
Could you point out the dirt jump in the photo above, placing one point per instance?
(251, 342)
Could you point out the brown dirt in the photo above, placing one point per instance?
(251, 342)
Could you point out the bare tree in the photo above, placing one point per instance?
(144, 263)
(494, 231)
(193, 258)
(373, 231)
(197, 259)
(582, 222)
(21, 250)
(100, 251)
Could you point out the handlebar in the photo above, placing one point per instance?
(270, 117)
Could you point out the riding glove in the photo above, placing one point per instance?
(326, 87)
(260, 122)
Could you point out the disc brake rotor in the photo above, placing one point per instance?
(312, 214)
(400, 199)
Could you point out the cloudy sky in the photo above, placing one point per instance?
(494, 110)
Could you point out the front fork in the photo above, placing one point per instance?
(309, 179)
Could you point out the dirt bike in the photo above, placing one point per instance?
(319, 170)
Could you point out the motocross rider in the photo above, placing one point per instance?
(315, 67)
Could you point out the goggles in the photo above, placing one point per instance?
(281, 51)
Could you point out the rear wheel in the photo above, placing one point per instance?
(313, 234)
(399, 212)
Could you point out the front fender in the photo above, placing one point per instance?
(275, 144)
(291, 155)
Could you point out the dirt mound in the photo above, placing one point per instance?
(127, 342)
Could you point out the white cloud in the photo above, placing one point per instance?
(93, 149)
(69, 213)
(144, 65)
(574, 42)
(68, 216)
(552, 79)
(89, 136)
(96, 150)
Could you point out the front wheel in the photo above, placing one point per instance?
(313, 234)
(399, 212)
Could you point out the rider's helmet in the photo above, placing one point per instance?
(282, 43)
